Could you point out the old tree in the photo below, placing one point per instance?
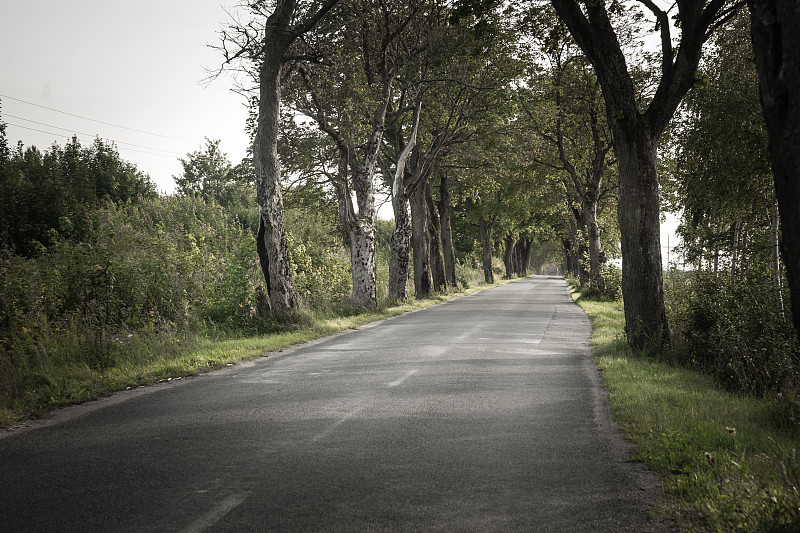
(635, 133)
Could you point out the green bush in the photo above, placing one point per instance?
(165, 268)
(610, 285)
(738, 334)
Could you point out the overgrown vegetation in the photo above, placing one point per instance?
(727, 461)
(124, 290)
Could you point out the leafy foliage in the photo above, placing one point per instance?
(738, 334)
(55, 189)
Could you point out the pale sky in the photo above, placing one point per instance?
(135, 64)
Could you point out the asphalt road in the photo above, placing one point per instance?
(481, 414)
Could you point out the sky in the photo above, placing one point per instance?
(132, 72)
(127, 65)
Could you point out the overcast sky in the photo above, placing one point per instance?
(138, 65)
(134, 64)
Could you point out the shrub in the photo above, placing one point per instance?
(609, 286)
(738, 334)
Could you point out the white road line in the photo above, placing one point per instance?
(213, 515)
(397, 382)
(336, 424)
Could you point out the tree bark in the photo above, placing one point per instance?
(523, 255)
(638, 214)
(434, 228)
(592, 228)
(447, 233)
(342, 200)
(362, 259)
(486, 248)
(775, 28)
(280, 285)
(420, 244)
(510, 243)
(272, 246)
(400, 258)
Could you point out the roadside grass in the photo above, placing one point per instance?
(726, 462)
(135, 360)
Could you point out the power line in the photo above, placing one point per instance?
(88, 135)
(84, 135)
(99, 121)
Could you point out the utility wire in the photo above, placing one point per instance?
(99, 121)
(88, 135)
(85, 135)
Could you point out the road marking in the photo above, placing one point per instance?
(336, 424)
(213, 515)
(397, 382)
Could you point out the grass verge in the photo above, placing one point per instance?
(726, 462)
(137, 360)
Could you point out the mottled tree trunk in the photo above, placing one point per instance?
(280, 285)
(447, 233)
(399, 261)
(420, 244)
(401, 237)
(362, 259)
(486, 248)
(775, 26)
(362, 231)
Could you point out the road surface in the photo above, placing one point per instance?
(484, 413)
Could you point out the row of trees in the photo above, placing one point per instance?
(497, 103)
(466, 115)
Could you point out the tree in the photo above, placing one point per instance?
(205, 172)
(348, 96)
(775, 27)
(636, 132)
(268, 48)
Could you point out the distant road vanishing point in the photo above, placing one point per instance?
(484, 413)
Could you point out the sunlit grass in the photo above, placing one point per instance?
(727, 462)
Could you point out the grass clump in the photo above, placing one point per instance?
(727, 461)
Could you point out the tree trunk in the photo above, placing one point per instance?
(447, 233)
(593, 240)
(775, 27)
(486, 248)
(420, 244)
(508, 256)
(342, 199)
(362, 258)
(401, 237)
(401, 249)
(523, 255)
(434, 228)
(638, 213)
(362, 237)
(280, 286)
